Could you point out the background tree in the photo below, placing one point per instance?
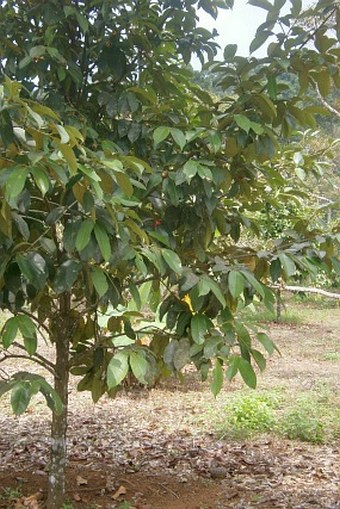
(119, 175)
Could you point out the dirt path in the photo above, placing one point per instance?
(158, 450)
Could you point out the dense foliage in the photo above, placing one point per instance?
(125, 189)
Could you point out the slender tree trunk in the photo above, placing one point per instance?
(278, 305)
(56, 480)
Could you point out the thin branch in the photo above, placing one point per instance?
(325, 103)
(28, 358)
(304, 289)
(41, 358)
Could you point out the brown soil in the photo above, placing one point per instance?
(157, 450)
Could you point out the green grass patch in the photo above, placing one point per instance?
(260, 314)
(308, 417)
(331, 356)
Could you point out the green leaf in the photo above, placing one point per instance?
(259, 359)
(233, 367)
(263, 4)
(84, 234)
(64, 136)
(207, 284)
(99, 281)
(254, 282)
(288, 265)
(235, 283)
(247, 372)
(300, 173)
(20, 397)
(182, 354)
(69, 156)
(15, 183)
(139, 366)
(172, 260)
(243, 122)
(296, 7)
(266, 342)
(275, 270)
(136, 296)
(124, 183)
(26, 326)
(34, 268)
(10, 331)
(31, 344)
(272, 87)
(117, 369)
(190, 169)
(66, 276)
(178, 137)
(205, 173)
(103, 241)
(217, 380)
(160, 134)
(53, 399)
(259, 40)
(199, 327)
(229, 52)
(41, 179)
(82, 21)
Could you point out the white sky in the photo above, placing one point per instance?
(238, 26)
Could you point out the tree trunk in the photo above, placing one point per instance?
(61, 337)
(278, 305)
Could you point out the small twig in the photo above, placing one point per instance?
(169, 490)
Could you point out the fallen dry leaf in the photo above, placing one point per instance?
(31, 502)
(121, 491)
(77, 497)
(81, 481)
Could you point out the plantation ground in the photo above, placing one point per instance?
(175, 447)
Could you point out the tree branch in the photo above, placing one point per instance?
(28, 358)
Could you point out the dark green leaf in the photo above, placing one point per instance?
(34, 268)
(103, 241)
(10, 331)
(217, 380)
(20, 397)
(172, 260)
(99, 281)
(199, 327)
(288, 265)
(66, 276)
(84, 234)
(247, 372)
(160, 134)
(182, 354)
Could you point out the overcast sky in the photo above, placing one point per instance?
(238, 26)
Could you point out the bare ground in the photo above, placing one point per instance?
(157, 449)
